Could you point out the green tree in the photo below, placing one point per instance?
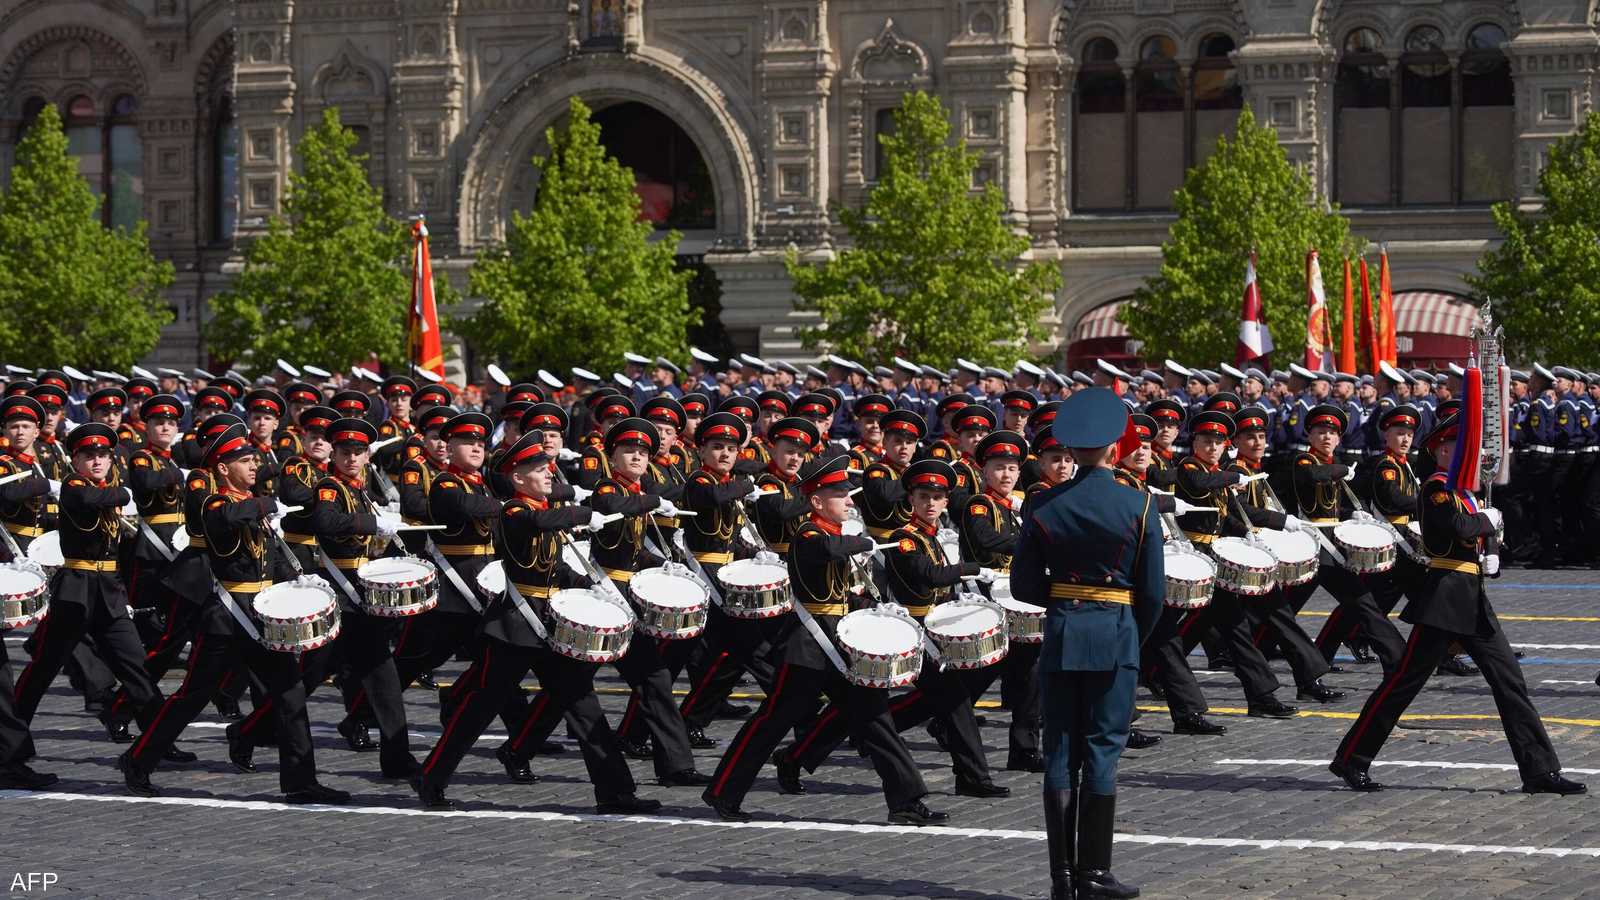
(72, 290)
(330, 281)
(1245, 197)
(579, 279)
(1544, 280)
(933, 271)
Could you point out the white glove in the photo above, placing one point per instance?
(1184, 507)
(281, 509)
(580, 493)
(853, 527)
(566, 455)
(55, 487)
(768, 558)
(317, 580)
(1491, 565)
(987, 575)
(666, 508)
(597, 521)
(676, 568)
(1256, 477)
(185, 473)
(387, 525)
(754, 495)
(1349, 473)
(130, 508)
(1495, 517)
(1291, 523)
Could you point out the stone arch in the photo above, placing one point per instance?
(350, 74)
(1093, 293)
(39, 40)
(1189, 41)
(1474, 16)
(215, 65)
(1385, 29)
(872, 56)
(1082, 37)
(1159, 27)
(504, 141)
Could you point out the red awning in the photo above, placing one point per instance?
(1427, 312)
(1100, 322)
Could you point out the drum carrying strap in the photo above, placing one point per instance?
(455, 577)
(338, 578)
(390, 493)
(156, 541)
(232, 606)
(1333, 551)
(828, 650)
(521, 603)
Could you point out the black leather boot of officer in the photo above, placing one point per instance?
(1097, 815)
(1060, 831)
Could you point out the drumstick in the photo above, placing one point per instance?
(422, 528)
(16, 477)
(287, 510)
(889, 546)
(375, 446)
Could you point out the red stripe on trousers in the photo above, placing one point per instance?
(755, 724)
(461, 707)
(181, 693)
(694, 695)
(1383, 694)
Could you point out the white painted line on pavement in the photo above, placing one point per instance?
(1394, 763)
(1555, 646)
(1582, 681)
(805, 825)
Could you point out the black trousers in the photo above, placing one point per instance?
(1548, 490)
(1019, 689)
(1428, 646)
(116, 640)
(729, 648)
(1574, 516)
(363, 649)
(803, 674)
(1359, 607)
(944, 696)
(427, 642)
(1166, 665)
(675, 654)
(211, 659)
(1272, 622)
(15, 744)
(1388, 589)
(1226, 616)
(646, 669)
(567, 692)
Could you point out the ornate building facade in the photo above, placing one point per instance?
(745, 120)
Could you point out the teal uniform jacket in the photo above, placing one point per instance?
(1091, 533)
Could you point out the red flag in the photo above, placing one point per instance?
(1347, 338)
(1255, 339)
(1387, 343)
(1319, 353)
(1369, 340)
(425, 349)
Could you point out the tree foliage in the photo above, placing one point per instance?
(1245, 197)
(1544, 280)
(581, 278)
(932, 271)
(329, 282)
(73, 291)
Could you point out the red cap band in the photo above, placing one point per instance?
(930, 479)
(1211, 428)
(1323, 420)
(722, 431)
(164, 409)
(340, 437)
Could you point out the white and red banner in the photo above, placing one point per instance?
(426, 349)
(1255, 339)
(1319, 336)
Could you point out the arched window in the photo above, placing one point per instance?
(882, 126)
(1425, 119)
(110, 155)
(224, 173)
(1361, 104)
(1135, 139)
(1487, 117)
(1217, 95)
(1158, 98)
(31, 108)
(1100, 136)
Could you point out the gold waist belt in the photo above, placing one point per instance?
(1062, 591)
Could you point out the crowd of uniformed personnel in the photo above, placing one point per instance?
(305, 477)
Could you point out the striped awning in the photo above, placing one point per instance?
(1100, 322)
(1427, 312)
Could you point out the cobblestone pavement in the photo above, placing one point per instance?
(1251, 814)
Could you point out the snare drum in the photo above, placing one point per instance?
(1243, 568)
(399, 586)
(492, 579)
(881, 649)
(752, 590)
(1368, 548)
(970, 634)
(297, 616)
(1024, 621)
(24, 596)
(1297, 554)
(670, 607)
(1189, 578)
(46, 551)
(586, 626)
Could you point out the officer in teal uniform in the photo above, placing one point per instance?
(1090, 553)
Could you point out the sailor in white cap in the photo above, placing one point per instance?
(966, 377)
(663, 381)
(702, 372)
(285, 373)
(550, 381)
(1108, 375)
(751, 368)
(1231, 378)
(316, 374)
(1025, 376)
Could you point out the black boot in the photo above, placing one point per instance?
(1093, 878)
(1061, 834)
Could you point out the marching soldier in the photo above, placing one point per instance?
(820, 564)
(869, 412)
(1090, 553)
(398, 391)
(1451, 607)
